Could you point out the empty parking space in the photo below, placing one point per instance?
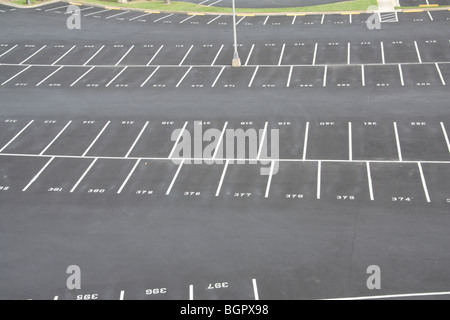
(332, 53)
(226, 54)
(295, 181)
(36, 137)
(421, 75)
(344, 76)
(291, 136)
(328, 140)
(277, 21)
(437, 178)
(440, 16)
(344, 182)
(398, 184)
(111, 55)
(8, 72)
(244, 182)
(21, 54)
(308, 20)
(141, 55)
(434, 50)
(63, 77)
(271, 77)
(16, 172)
(382, 76)
(400, 52)
(171, 55)
(414, 17)
(99, 13)
(422, 140)
(32, 76)
(267, 54)
(335, 20)
(81, 55)
(298, 54)
(203, 55)
(307, 77)
(235, 77)
(10, 128)
(166, 77)
(133, 77)
(365, 52)
(49, 54)
(200, 77)
(374, 140)
(98, 77)
(445, 72)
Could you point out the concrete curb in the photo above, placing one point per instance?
(249, 14)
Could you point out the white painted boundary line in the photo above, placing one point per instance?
(84, 175)
(431, 17)
(149, 77)
(92, 13)
(82, 76)
(16, 75)
(269, 180)
(129, 176)
(209, 5)
(363, 76)
(65, 54)
(253, 77)
(323, 19)
(265, 21)
(220, 140)
(56, 8)
(163, 17)
(214, 19)
(315, 54)
(396, 296)
(16, 136)
(293, 19)
(93, 56)
(424, 182)
(255, 289)
(121, 59)
(222, 177)
(418, 52)
(59, 134)
(137, 139)
(281, 55)
(325, 76)
(369, 178)
(239, 21)
(182, 78)
(140, 16)
(38, 174)
(6, 52)
(122, 295)
(116, 15)
(382, 53)
(288, 83)
(348, 53)
(49, 76)
(217, 78)
(191, 292)
(397, 139)
(178, 140)
(118, 75)
(305, 145)
(185, 56)
(445, 136)
(175, 177)
(440, 74)
(96, 138)
(261, 143)
(249, 54)
(401, 75)
(319, 179)
(217, 55)
(350, 142)
(154, 56)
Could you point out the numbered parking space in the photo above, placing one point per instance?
(387, 76)
(81, 55)
(344, 77)
(365, 52)
(49, 54)
(110, 56)
(299, 53)
(400, 52)
(31, 77)
(307, 77)
(133, 77)
(421, 75)
(21, 53)
(8, 72)
(64, 77)
(235, 77)
(16, 172)
(172, 55)
(97, 77)
(141, 55)
(328, 140)
(332, 53)
(434, 50)
(374, 140)
(243, 181)
(200, 77)
(270, 77)
(437, 177)
(203, 55)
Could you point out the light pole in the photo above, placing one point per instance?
(236, 61)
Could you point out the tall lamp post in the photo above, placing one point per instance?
(236, 61)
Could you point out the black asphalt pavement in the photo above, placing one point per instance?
(90, 172)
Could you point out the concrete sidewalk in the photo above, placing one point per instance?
(386, 5)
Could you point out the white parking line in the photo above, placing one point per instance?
(137, 139)
(424, 182)
(217, 55)
(214, 19)
(154, 56)
(255, 289)
(190, 17)
(6, 52)
(178, 140)
(175, 178)
(363, 76)
(118, 75)
(325, 76)
(122, 295)
(445, 136)
(382, 52)
(397, 139)
(49, 76)
(263, 138)
(217, 78)
(116, 15)
(418, 52)
(348, 53)
(82, 76)
(269, 180)
(185, 56)
(163, 17)
(249, 54)
(440, 74)
(293, 19)
(350, 142)
(16, 136)
(38, 174)
(65, 54)
(42, 48)
(239, 21)
(220, 140)
(128, 177)
(288, 83)
(209, 5)
(16, 75)
(265, 21)
(140, 16)
(369, 179)
(59, 134)
(96, 138)
(121, 59)
(394, 296)
(222, 177)
(319, 179)
(56, 8)
(323, 18)
(429, 14)
(149, 77)
(95, 54)
(84, 175)
(305, 145)
(182, 78)
(281, 54)
(401, 74)
(191, 292)
(203, 2)
(315, 54)
(92, 13)
(253, 77)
